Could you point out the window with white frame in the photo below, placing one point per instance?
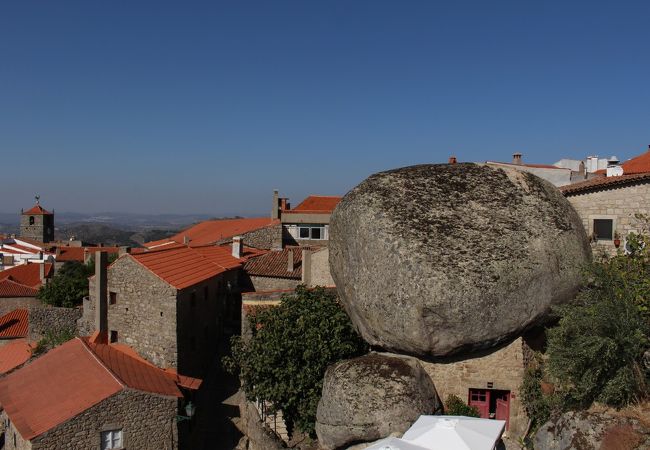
(316, 232)
(603, 229)
(111, 439)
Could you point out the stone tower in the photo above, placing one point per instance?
(37, 223)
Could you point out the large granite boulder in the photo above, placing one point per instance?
(592, 431)
(438, 259)
(370, 397)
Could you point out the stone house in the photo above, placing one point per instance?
(173, 305)
(90, 395)
(559, 176)
(306, 224)
(608, 205)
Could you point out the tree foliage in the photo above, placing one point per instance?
(454, 406)
(69, 285)
(292, 345)
(595, 352)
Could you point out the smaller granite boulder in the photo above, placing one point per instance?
(370, 397)
(592, 431)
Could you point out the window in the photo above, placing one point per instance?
(604, 229)
(111, 439)
(112, 298)
(314, 232)
(113, 336)
(31, 220)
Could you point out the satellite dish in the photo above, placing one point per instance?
(628, 248)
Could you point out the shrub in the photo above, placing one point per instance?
(454, 406)
(291, 346)
(595, 351)
(53, 339)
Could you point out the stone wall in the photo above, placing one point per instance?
(503, 367)
(144, 313)
(262, 284)
(147, 421)
(320, 268)
(617, 203)
(13, 439)
(257, 435)
(264, 238)
(52, 319)
(10, 303)
(41, 230)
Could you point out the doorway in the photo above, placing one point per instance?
(491, 403)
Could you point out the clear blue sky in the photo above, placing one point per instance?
(187, 106)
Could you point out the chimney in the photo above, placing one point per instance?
(41, 272)
(306, 267)
(516, 159)
(275, 213)
(101, 298)
(123, 250)
(290, 265)
(452, 160)
(648, 148)
(237, 247)
(186, 240)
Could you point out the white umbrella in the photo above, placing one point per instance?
(393, 443)
(455, 433)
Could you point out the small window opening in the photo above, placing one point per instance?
(112, 298)
(113, 336)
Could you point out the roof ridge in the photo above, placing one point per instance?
(86, 345)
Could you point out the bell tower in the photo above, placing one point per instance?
(37, 223)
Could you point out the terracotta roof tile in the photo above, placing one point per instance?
(14, 354)
(133, 371)
(9, 288)
(27, 274)
(70, 379)
(37, 210)
(212, 231)
(603, 183)
(186, 266)
(14, 324)
(275, 264)
(316, 204)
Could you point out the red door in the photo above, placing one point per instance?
(503, 408)
(479, 398)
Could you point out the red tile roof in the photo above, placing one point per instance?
(14, 354)
(14, 324)
(186, 266)
(37, 210)
(212, 231)
(638, 164)
(604, 183)
(70, 379)
(275, 264)
(316, 204)
(27, 274)
(9, 288)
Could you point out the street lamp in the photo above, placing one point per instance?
(190, 409)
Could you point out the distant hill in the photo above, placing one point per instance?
(109, 235)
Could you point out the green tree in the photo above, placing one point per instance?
(69, 285)
(292, 345)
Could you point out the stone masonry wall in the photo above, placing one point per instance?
(147, 421)
(52, 319)
(619, 204)
(11, 303)
(262, 284)
(264, 238)
(320, 268)
(144, 314)
(13, 439)
(503, 367)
